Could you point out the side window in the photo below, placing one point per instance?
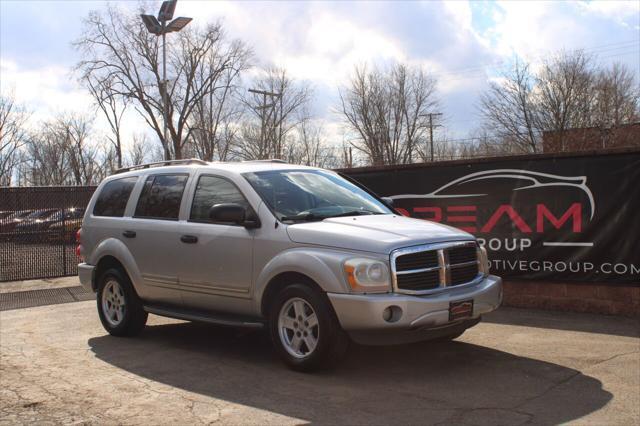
(114, 196)
(213, 190)
(161, 196)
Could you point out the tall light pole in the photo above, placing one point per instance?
(160, 26)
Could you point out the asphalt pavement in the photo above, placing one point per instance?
(517, 367)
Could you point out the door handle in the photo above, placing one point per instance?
(129, 234)
(189, 239)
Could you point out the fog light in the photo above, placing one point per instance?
(386, 314)
(392, 313)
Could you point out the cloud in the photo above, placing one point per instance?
(50, 90)
(625, 13)
(534, 29)
(463, 43)
(44, 89)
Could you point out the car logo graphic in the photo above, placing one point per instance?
(535, 180)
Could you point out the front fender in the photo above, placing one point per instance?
(323, 266)
(117, 249)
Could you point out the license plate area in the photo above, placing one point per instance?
(462, 309)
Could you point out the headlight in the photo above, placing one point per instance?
(367, 275)
(483, 259)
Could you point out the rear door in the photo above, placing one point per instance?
(153, 236)
(216, 258)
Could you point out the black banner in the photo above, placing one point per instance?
(559, 218)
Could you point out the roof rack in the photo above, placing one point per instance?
(162, 163)
(271, 160)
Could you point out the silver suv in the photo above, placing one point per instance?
(306, 252)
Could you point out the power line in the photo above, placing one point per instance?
(479, 70)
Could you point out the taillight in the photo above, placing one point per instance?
(79, 241)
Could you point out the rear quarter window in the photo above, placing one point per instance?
(113, 198)
(161, 197)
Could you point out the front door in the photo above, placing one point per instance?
(216, 258)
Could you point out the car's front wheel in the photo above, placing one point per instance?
(305, 330)
(119, 307)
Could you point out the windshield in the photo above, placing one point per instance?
(304, 195)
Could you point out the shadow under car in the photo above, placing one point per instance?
(422, 383)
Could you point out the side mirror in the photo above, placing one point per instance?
(233, 214)
(227, 213)
(388, 201)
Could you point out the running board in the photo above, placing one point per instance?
(219, 319)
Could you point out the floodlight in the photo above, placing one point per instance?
(152, 24)
(154, 27)
(178, 24)
(166, 10)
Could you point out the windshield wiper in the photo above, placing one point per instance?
(354, 213)
(307, 217)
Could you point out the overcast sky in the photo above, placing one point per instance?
(464, 44)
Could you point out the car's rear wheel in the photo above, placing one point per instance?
(305, 330)
(119, 307)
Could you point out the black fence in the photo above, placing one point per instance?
(552, 217)
(37, 231)
(546, 217)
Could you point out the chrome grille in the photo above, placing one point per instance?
(462, 254)
(424, 269)
(419, 260)
(419, 281)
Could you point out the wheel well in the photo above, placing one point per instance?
(107, 262)
(279, 282)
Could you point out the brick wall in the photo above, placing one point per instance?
(593, 298)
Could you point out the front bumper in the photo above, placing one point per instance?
(421, 317)
(85, 274)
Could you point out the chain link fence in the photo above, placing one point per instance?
(37, 231)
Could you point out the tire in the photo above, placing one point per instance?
(292, 338)
(115, 289)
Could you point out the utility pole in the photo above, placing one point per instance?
(264, 107)
(431, 126)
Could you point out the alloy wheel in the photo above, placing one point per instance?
(298, 327)
(113, 302)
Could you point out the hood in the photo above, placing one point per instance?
(375, 233)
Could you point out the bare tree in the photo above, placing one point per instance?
(266, 131)
(568, 92)
(565, 93)
(347, 156)
(13, 121)
(213, 127)
(107, 161)
(112, 106)
(308, 147)
(46, 161)
(61, 153)
(116, 47)
(510, 108)
(386, 112)
(74, 131)
(617, 97)
(142, 151)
